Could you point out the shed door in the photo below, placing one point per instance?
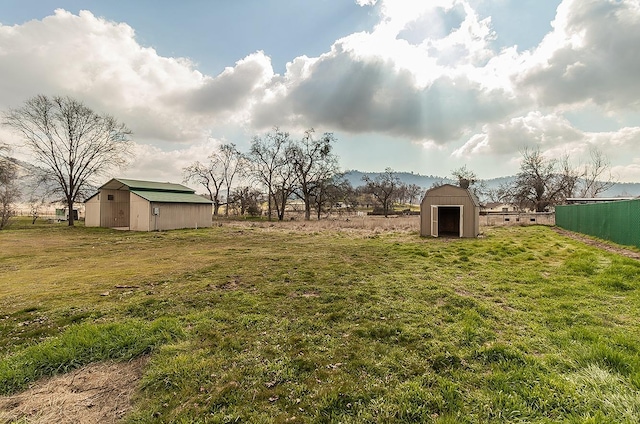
(447, 219)
(434, 221)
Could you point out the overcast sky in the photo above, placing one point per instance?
(421, 86)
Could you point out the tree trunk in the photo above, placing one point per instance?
(269, 205)
(281, 210)
(70, 206)
(281, 204)
(307, 209)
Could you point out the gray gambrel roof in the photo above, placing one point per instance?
(468, 191)
(155, 191)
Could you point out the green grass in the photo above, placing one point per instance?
(82, 344)
(262, 324)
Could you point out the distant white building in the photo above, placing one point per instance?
(498, 207)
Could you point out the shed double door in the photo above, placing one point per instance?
(447, 220)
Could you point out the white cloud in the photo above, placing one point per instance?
(629, 173)
(467, 44)
(360, 95)
(590, 56)
(379, 82)
(367, 82)
(427, 72)
(430, 53)
(533, 130)
(235, 89)
(101, 63)
(554, 135)
(154, 163)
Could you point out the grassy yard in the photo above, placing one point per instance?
(260, 324)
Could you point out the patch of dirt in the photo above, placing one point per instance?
(598, 243)
(97, 393)
(305, 294)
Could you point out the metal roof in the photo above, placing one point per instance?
(155, 192)
(170, 197)
(572, 200)
(124, 183)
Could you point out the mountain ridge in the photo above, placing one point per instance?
(427, 181)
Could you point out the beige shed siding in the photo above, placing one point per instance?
(140, 211)
(130, 204)
(180, 215)
(450, 196)
(92, 212)
(115, 213)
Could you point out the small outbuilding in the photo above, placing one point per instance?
(147, 206)
(450, 210)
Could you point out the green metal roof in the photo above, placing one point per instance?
(170, 197)
(120, 183)
(156, 192)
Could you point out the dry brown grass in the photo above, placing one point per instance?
(354, 224)
(98, 393)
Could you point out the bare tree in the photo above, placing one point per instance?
(384, 187)
(314, 165)
(570, 177)
(208, 176)
(465, 176)
(9, 191)
(71, 143)
(285, 184)
(413, 191)
(587, 180)
(5, 164)
(269, 166)
(247, 199)
(35, 208)
(224, 164)
(331, 191)
(539, 184)
(468, 179)
(504, 193)
(233, 164)
(545, 182)
(596, 176)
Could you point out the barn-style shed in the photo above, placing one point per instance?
(147, 206)
(450, 210)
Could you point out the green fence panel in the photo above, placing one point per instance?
(615, 221)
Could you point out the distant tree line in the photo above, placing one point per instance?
(545, 182)
(279, 169)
